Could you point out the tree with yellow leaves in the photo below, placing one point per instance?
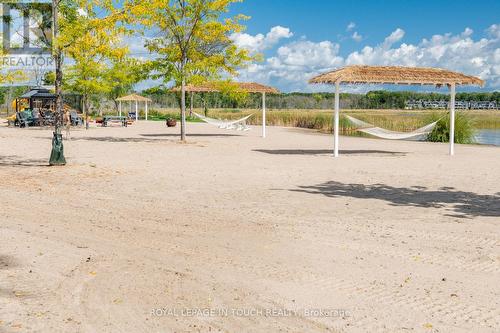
(91, 57)
(83, 30)
(192, 41)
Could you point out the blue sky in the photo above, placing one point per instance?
(302, 38)
(374, 19)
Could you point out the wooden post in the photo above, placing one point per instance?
(120, 108)
(263, 114)
(336, 120)
(452, 119)
(146, 109)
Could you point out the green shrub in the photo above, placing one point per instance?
(464, 128)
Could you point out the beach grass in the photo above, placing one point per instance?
(322, 120)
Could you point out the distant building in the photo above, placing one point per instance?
(442, 104)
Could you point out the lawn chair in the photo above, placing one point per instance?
(75, 119)
(37, 119)
(24, 119)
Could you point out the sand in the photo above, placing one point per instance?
(234, 233)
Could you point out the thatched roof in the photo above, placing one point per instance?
(396, 75)
(134, 97)
(253, 87)
(250, 87)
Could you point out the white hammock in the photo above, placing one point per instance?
(239, 124)
(418, 134)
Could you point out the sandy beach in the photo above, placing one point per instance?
(234, 233)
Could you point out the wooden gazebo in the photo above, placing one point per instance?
(38, 97)
(134, 98)
(395, 75)
(250, 87)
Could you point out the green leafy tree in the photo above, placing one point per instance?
(74, 24)
(121, 76)
(193, 42)
(99, 42)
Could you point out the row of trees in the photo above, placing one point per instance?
(163, 97)
(116, 81)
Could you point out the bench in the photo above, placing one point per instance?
(114, 119)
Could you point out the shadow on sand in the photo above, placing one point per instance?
(149, 138)
(6, 262)
(116, 139)
(327, 152)
(174, 135)
(13, 160)
(461, 203)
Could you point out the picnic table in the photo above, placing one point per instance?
(114, 119)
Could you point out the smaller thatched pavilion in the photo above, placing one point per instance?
(134, 98)
(395, 75)
(250, 87)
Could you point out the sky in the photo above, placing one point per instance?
(300, 39)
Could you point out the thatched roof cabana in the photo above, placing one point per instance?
(133, 98)
(395, 75)
(250, 87)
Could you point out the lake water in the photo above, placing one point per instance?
(488, 137)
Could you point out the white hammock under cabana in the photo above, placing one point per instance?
(239, 124)
(418, 134)
(360, 74)
(249, 87)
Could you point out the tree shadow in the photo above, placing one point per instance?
(327, 152)
(7, 261)
(148, 138)
(16, 161)
(461, 203)
(118, 140)
(188, 135)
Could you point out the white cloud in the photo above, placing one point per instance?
(494, 31)
(455, 52)
(259, 42)
(356, 36)
(394, 37)
(350, 26)
(295, 62)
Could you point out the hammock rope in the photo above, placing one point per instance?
(418, 134)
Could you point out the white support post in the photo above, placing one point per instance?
(263, 114)
(136, 111)
(452, 119)
(336, 120)
(120, 108)
(146, 109)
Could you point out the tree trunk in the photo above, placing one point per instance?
(191, 94)
(8, 100)
(183, 110)
(85, 110)
(57, 154)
